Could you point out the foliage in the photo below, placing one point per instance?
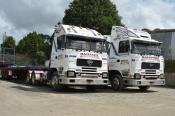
(30, 44)
(34, 46)
(40, 57)
(47, 45)
(9, 42)
(100, 15)
(22, 60)
(170, 66)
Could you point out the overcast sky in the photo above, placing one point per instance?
(18, 17)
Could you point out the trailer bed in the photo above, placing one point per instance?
(21, 72)
(23, 68)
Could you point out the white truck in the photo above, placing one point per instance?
(78, 57)
(134, 59)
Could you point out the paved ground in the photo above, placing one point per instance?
(21, 100)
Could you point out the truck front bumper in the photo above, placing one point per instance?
(83, 81)
(137, 82)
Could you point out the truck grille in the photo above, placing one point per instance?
(89, 75)
(89, 63)
(151, 77)
(150, 71)
(146, 65)
(86, 69)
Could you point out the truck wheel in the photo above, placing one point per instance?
(91, 88)
(117, 82)
(55, 81)
(144, 88)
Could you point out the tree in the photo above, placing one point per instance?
(9, 42)
(47, 44)
(100, 15)
(33, 45)
(40, 57)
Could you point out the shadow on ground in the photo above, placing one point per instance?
(47, 89)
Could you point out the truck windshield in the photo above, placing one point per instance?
(143, 48)
(88, 44)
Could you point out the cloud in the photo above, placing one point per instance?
(18, 17)
(22, 16)
(147, 13)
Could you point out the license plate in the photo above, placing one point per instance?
(89, 81)
(151, 83)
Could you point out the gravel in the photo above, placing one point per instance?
(17, 99)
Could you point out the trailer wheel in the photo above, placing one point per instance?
(117, 82)
(8, 77)
(33, 79)
(28, 79)
(55, 81)
(3, 77)
(144, 88)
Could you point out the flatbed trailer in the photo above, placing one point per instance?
(24, 73)
(9, 70)
(78, 58)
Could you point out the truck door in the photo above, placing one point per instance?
(123, 58)
(60, 50)
(54, 55)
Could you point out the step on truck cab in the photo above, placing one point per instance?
(78, 57)
(135, 59)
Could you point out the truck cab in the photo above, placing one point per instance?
(78, 57)
(135, 59)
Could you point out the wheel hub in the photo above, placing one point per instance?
(54, 82)
(116, 83)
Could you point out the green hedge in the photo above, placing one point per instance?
(169, 66)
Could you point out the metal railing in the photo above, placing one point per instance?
(7, 56)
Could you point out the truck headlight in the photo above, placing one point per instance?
(71, 74)
(137, 76)
(161, 76)
(104, 75)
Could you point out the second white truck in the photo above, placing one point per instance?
(135, 59)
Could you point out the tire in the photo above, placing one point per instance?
(8, 77)
(28, 79)
(144, 88)
(33, 79)
(91, 88)
(55, 81)
(117, 82)
(2, 77)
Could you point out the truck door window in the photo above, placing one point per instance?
(63, 41)
(124, 47)
(60, 42)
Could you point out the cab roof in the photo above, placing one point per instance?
(142, 36)
(79, 31)
(133, 34)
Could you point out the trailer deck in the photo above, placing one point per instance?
(9, 69)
